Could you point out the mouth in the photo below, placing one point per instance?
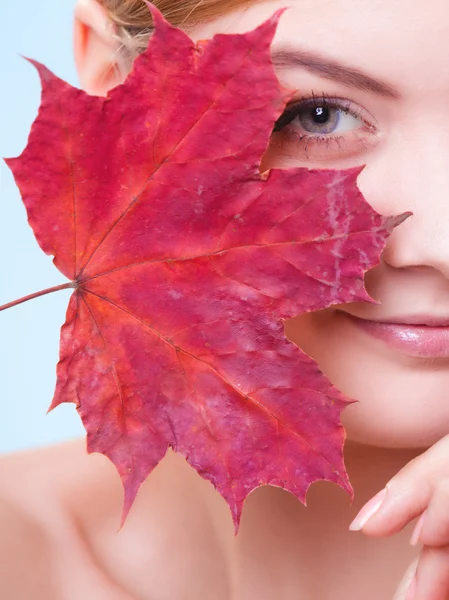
(423, 336)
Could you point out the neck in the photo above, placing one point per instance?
(286, 541)
(370, 468)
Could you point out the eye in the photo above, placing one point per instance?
(318, 117)
(322, 128)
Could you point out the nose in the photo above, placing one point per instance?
(413, 175)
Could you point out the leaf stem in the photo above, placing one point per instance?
(57, 288)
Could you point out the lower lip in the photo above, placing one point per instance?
(415, 340)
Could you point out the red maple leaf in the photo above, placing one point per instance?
(186, 260)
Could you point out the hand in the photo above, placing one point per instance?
(421, 489)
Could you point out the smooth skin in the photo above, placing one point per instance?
(60, 509)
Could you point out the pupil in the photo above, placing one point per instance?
(320, 114)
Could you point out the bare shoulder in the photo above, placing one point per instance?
(60, 514)
(24, 552)
(41, 546)
(42, 481)
(28, 495)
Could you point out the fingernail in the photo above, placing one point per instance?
(417, 530)
(412, 589)
(368, 511)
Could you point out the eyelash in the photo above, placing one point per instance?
(326, 101)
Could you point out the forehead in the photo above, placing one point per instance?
(405, 42)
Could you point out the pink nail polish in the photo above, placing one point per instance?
(417, 530)
(412, 589)
(368, 511)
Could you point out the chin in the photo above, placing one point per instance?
(406, 430)
(402, 401)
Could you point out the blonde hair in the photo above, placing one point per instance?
(134, 24)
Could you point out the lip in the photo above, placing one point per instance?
(421, 336)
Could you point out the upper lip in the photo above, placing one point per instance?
(425, 320)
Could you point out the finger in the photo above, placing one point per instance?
(432, 574)
(407, 494)
(404, 586)
(433, 527)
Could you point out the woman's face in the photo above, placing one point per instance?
(383, 69)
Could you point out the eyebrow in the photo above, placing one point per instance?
(286, 56)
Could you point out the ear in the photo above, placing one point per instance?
(97, 54)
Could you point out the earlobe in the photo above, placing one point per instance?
(96, 49)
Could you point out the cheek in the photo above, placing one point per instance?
(400, 403)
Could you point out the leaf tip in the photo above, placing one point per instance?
(272, 23)
(8, 161)
(124, 516)
(391, 222)
(278, 14)
(44, 73)
(347, 487)
(363, 296)
(236, 517)
(235, 505)
(131, 480)
(54, 404)
(158, 18)
(130, 493)
(397, 220)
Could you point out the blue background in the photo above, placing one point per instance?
(29, 334)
